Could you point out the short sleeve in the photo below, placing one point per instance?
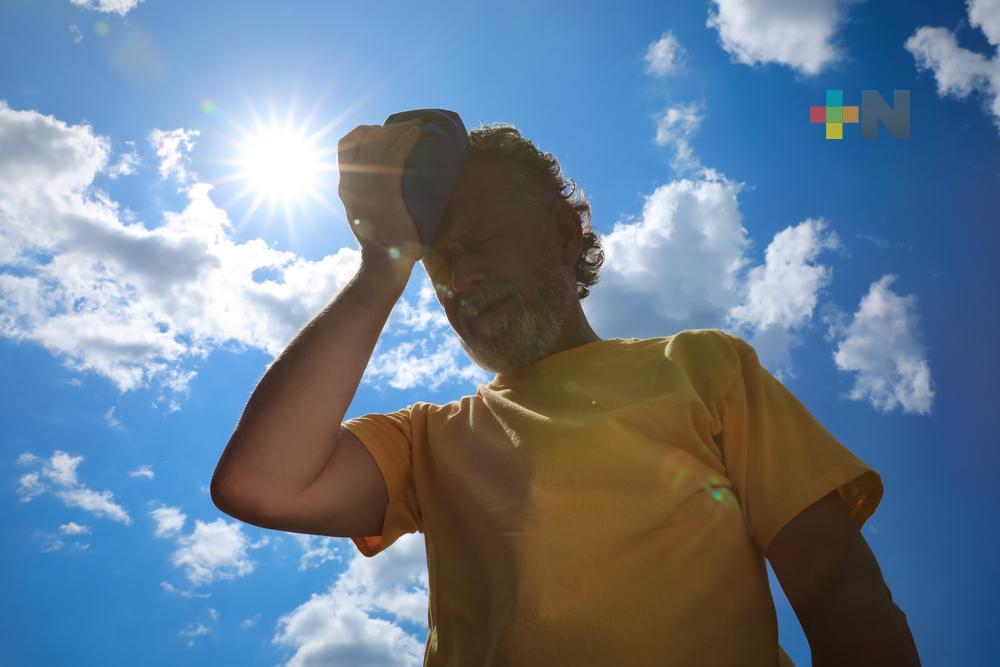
(389, 439)
(779, 458)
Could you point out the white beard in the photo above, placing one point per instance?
(526, 330)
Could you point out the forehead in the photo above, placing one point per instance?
(481, 196)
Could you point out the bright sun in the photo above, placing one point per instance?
(281, 163)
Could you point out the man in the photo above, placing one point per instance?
(600, 501)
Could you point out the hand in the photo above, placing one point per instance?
(371, 160)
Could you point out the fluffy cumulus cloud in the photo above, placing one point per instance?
(120, 7)
(677, 266)
(960, 72)
(134, 303)
(801, 35)
(216, 550)
(169, 521)
(58, 475)
(665, 55)
(339, 627)
(881, 346)
(782, 293)
(685, 262)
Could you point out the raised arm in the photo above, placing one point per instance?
(288, 432)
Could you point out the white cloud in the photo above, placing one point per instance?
(318, 549)
(134, 304)
(61, 468)
(675, 127)
(27, 459)
(781, 294)
(684, 264)
(173, 147)
(678, 266)
(72, 528)
(338, 627)
(60, 471)
(110, 418)
(126, 164)
(797, 34)
(188, 594)
(881, 344)
(192, 631)
(249, 622)
(77, 35)
(216, 550)
(783, 291)
(960, 72)
(169, 521)
(144, 470)
(29, 485)
(120, 7)
(53, 543)
(985, 15)
(422, 362)
(100, 503)
(665, 55)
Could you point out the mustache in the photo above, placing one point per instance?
(473, 305)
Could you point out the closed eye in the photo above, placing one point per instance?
(438, 261)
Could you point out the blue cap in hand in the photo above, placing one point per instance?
(431, 170)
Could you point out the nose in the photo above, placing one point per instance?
(467, 273)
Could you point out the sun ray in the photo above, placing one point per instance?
(281, 161)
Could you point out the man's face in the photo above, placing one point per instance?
(497, 273)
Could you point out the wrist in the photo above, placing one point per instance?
(383, 271)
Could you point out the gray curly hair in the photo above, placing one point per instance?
(538, 179)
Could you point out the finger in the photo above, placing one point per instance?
(348, 144)
(364, 168)
(374, 145)
(395, 156)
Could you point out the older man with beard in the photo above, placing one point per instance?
(600, 501)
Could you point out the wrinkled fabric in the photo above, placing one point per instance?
(609, 504)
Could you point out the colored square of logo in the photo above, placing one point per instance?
(834, 115)
(850, 114)
(834, 131)
(817, 114)
(834, 98)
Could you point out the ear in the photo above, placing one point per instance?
(569, 235)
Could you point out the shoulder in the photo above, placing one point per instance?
(707, 347)
(712, 359)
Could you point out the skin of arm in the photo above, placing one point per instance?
(288, 430)
(289, 426)
(835, 585)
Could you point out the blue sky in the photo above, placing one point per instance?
(142, 292)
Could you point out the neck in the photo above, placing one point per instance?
(576, 330)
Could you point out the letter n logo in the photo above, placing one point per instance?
(874, 109)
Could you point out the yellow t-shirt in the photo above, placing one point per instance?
(609, 504)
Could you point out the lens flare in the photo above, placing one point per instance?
(209, 108)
